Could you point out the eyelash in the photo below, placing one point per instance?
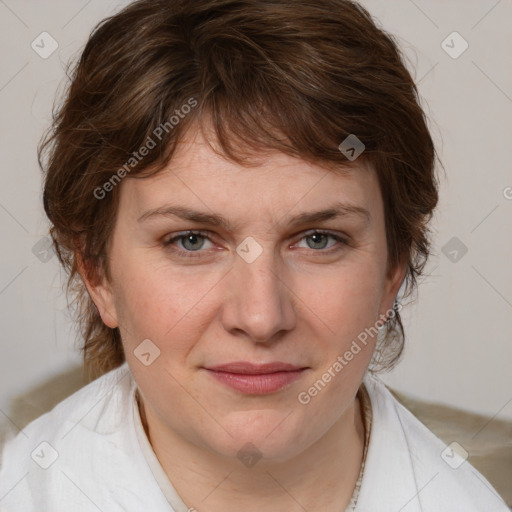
(189, 254)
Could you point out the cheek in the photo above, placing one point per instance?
(160, 304)
(348, 304)
(346, 300)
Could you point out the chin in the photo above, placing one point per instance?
(267, 434)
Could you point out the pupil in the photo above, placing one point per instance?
(192, 239)
(317, 237)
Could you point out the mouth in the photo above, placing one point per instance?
(256, 379)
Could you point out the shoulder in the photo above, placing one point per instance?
(58, 453)
(85, 407)
(410, 468)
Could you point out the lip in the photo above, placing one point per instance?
(247, 368)
(256, 379)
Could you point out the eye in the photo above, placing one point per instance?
(192, 241)
(319, 240)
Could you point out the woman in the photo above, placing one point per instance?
(238, 190)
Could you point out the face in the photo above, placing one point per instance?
(263, 278)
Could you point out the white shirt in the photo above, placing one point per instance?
(85, 456)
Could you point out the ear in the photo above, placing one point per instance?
(394, 279)
(99, 288)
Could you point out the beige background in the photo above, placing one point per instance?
(459, 332)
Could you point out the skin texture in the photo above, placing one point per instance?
(303, 300)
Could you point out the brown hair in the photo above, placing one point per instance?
(289, 75)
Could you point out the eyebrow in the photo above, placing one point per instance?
(213, 219)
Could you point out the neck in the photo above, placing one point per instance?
(321, 478)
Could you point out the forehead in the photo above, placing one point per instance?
(274, 184)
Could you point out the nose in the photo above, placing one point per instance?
(259, 302)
